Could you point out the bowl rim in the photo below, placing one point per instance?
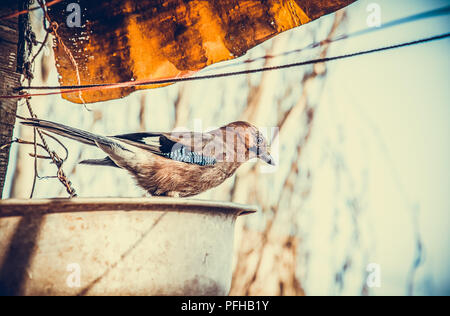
(33, 207)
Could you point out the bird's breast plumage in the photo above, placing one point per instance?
(161, 176)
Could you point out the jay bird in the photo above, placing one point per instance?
(177, 164)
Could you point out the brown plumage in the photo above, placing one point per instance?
(173, 164)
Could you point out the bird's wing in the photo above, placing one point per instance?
(180, 146)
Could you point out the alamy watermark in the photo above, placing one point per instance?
(373, 279)
(73, 280)
(74, 17)
(236, 142)
(374, 17)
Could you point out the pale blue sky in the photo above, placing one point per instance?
(402, 97)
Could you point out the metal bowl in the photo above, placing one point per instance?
(117, 246)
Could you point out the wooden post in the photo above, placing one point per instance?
(12, 45)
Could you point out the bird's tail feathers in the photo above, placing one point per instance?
(99, 162)
(67, 131)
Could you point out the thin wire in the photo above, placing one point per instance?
(405, 20)
(76, 88)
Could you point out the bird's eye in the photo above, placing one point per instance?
(259, 140)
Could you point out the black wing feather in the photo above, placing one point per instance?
(167, 148)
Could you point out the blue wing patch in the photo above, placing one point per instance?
(182, 154)
(160, 145)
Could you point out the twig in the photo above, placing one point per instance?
(54, 156)
(35, 163)
(19, 141)
(59, 142)
(51, 154)
(43, 43)
(40, 156)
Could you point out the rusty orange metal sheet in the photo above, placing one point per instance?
(126, 40)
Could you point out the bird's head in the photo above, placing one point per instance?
(252, 140)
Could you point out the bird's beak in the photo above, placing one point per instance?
(267, 158)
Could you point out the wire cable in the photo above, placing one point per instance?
(405, 20)
(76, 88)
